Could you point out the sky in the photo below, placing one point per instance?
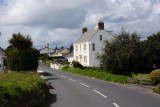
(59, 22)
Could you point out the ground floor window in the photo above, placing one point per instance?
(85, 59)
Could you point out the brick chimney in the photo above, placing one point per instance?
(84, 29)
(100, 25)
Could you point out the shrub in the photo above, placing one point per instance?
(157, 90)
(65, 63)
(76, 64)
(155, 75)
(47, 63)
(29, 60)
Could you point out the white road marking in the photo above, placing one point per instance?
(84, 84)
(100, 93)
(63, 76)
(115, 104)
(72, 80)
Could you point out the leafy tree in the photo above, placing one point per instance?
(71, 48)
(21, 43)
(20, 54)
(152, 46)
(122, 54)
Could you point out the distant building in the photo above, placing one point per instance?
(46, 50)
(61, 52)
(90, 43)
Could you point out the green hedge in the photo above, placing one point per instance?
(29, 60)
(22, 89)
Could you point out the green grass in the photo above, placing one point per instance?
(157, 90)
(16, 88)
(97, 74)
(143, 79)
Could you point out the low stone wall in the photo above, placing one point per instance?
(56, 66)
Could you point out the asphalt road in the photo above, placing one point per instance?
(70, 90)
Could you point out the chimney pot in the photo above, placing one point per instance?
(84, 29)
(100, 25)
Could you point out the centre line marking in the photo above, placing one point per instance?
(115, 104)
(72, 80)
(100, 93)
(84, 84)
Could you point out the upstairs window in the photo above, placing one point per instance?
(76, 47)
(100, 37)
(93, 46)
(84, 47)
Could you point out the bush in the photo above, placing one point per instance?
(29, 60)
(76, 64)
(155, 76)
(157, 90)
(65, 63)
(47, 63)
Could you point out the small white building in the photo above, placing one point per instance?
(89, 44)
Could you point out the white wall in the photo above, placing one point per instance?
(98, 46)
(91, 55)
(82, 53)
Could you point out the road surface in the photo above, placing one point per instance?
(70, 90)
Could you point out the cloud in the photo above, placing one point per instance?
(60, 22)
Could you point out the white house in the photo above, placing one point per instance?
(89, 44)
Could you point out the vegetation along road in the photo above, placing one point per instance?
(70, 90)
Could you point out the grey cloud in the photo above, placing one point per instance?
(68, 18)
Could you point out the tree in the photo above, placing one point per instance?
(56, 48)
(122, 54)
(21, 43)
(152, 46)
(71, 48)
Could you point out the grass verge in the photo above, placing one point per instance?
(97, 74)
(22, 89)
(157, 90)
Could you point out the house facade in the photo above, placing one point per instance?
(90, 43)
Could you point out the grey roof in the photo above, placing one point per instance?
(71, 55)
(87, 35)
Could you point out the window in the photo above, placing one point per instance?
(93, 46)
(100, 37)
(76, 47)
(84, 47)
(80, 47)
(76, 58)
(85, 59)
